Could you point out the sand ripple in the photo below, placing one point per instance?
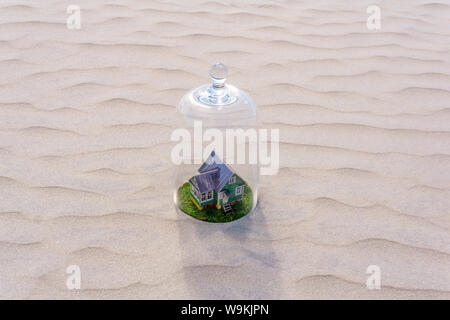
(85, 173)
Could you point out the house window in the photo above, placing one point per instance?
(220, 196)
(203, 197)
(210, 195)
(239, 190)
(232, 180)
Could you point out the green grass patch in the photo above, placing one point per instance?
(240, 209)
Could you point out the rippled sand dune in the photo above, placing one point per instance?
(85, 170)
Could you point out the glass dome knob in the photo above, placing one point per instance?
(218, 93)
(218, 74)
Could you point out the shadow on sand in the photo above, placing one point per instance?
(229, 260)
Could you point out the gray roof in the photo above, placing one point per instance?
(210, 163)
(206, 181)
(214, 174)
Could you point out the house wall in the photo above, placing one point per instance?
(232, 189)
(213, 200)
(205, 203)
(193, 190)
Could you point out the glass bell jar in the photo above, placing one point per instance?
(216, 151)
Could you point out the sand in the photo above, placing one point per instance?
(85, 170)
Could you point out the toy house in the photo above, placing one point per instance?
(216, 184)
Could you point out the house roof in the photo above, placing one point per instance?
(206, 181)
(214, 174)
